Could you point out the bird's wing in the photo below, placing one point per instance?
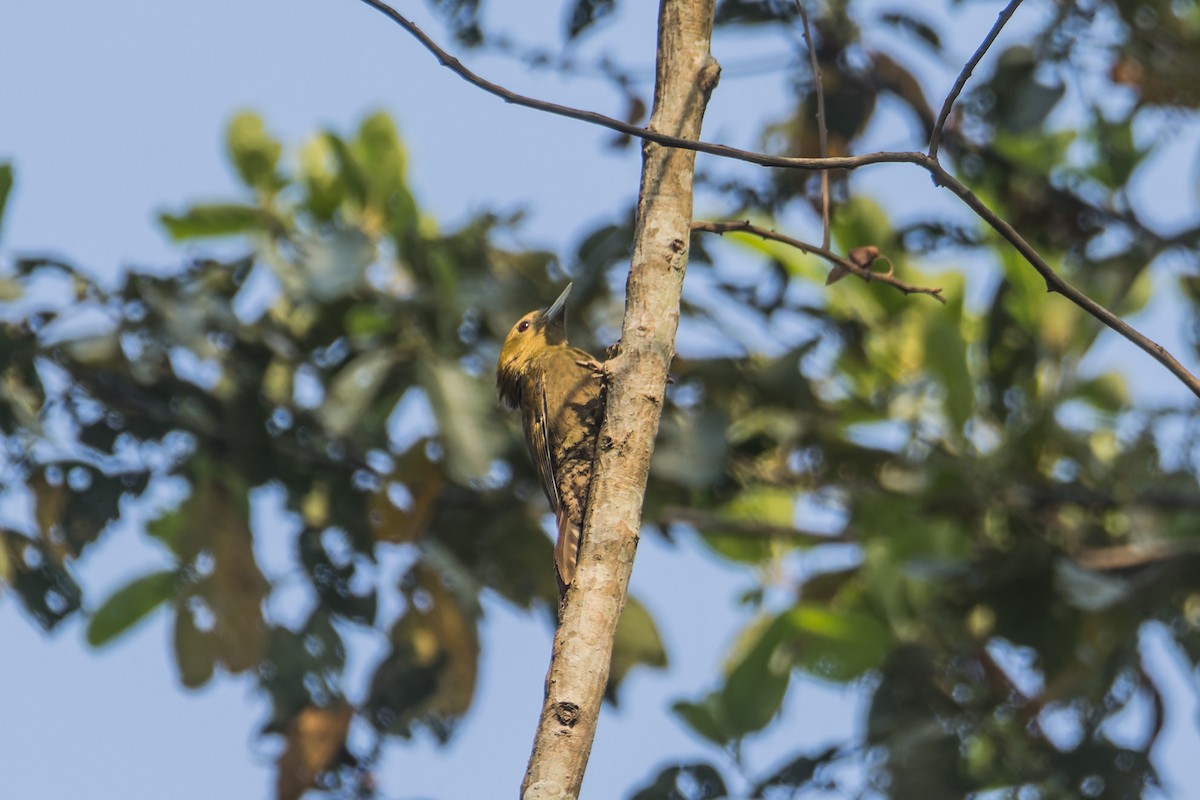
(537, 440)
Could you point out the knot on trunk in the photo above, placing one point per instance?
(566, 713)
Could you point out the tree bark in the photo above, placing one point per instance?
(685, 76)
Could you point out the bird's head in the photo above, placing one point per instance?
(533, 333)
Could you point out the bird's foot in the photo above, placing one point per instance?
(598, 369)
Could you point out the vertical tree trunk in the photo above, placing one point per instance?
(685, 76)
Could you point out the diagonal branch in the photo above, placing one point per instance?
(1055, 282)
(935, 139)
(930, 164)
(868, 275)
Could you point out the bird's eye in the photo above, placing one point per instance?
(523, 326)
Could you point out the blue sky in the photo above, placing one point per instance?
(115, 111)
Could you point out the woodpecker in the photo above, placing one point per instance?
(558, 391)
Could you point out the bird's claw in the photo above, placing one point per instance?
(598, 369)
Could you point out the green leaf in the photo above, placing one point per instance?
(365, 321)
(691, 449)
(195, 654)
(704, 718)
(167, 528)
(756, 685)
(917, 27)
(752, 12)
(861, 222)
(1106, 392)
(1136, 296)
(382, 164)
(585, 13)
(838, 645)
(129, 604)
(350, 174)
(767, 506)
(379, 146)
(795, 773)
(946, 355)
(6, 182)
(1021, 101)
(1116, 153)
(318, 171)
(307, 664)
(255, 154)
(39, 579)
(698, 781)
(637, 641)
(218, 219)
(466, 415)
(1039, 153)
(354, 389)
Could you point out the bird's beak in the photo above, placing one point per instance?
(558, 309)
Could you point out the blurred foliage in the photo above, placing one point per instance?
(298, 367)
(1005, 524)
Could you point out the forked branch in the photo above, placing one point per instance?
(847, 264)
(935, 139)
(941, 177)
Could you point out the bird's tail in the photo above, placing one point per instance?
(566, 552)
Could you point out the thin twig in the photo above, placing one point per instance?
(1055, 283)
(822, 131)
(1129, 556)
(745, 226)
(935, 139)
(928, 163)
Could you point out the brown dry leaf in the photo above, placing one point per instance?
(315, 738)
(861, 257)
(216, 521)
(429, 677)
(392, 524)
(194, 651)
(864, 256)
(836, 274)
(50, 500)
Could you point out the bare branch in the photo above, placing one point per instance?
(1054, 282)
(822, 129)
(745, 226)
(930, 164)
(1130, 556)
(935, 139)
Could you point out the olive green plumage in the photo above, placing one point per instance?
(557, 390)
